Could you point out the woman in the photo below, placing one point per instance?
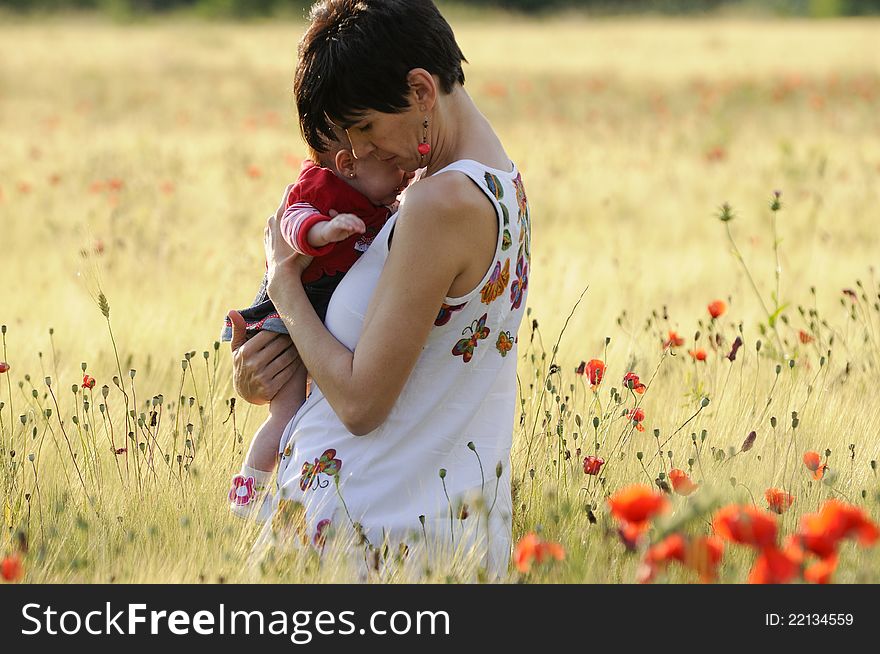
(405, 438)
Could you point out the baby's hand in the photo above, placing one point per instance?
(338, 229)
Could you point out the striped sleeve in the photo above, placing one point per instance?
(298, 218)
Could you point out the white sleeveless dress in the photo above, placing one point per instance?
(386, 486)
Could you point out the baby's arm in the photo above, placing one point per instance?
(310, 232)
(336, 229)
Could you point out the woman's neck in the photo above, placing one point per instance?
(460, 131)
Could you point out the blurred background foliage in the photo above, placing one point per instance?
(256, 8)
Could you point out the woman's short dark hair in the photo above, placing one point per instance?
(355, 57)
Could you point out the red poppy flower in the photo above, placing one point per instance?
(804, 337)
(631, 381)
(821, 571)
(716, 154)
(820, 532)
(88, 382)
(671, 548)
(704, 556)
(698, 354)
(254, 171)
(531, 549)
(773, 566)
(592, 465)
(637, 504)
(581, 369)
(3, 367)
(631, 534)
(811, 460)
(673, 339)
(717, 308)
(11, 568)
(746, 525)
(115, 184)
(814, 463)
(636, 416)
(681, 483)
(595, 371)
(778, 500)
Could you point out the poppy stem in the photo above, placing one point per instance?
(544, 386)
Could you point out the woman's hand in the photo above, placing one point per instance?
(261, 365)
(283, 264)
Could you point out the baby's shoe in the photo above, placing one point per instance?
(249, 496)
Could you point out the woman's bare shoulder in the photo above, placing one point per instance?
(449, 221)
(447, 201)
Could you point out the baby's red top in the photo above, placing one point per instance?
(323, 190)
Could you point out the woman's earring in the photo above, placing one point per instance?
(424, 146)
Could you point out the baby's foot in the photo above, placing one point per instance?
(249, 496)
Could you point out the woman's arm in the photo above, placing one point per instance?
(261, 365)
(432, 246)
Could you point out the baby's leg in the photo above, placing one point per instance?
(264, 447)
(249, 494)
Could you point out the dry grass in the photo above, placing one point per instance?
(629, 135)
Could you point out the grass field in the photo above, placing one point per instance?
(141, 162)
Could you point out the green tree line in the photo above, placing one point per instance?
(817, 8)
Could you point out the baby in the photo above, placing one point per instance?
(362, 191)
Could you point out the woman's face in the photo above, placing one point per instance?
(392, 138)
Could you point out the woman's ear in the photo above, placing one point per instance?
(423, 88)
(345, 163)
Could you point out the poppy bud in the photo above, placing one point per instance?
(498, 469)
(442, 473)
